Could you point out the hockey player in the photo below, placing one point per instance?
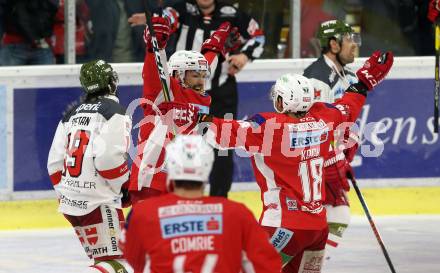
(288, 150)
(184, 231)
(331, 78)
(188, 72)
(88, 168)
(194, 21)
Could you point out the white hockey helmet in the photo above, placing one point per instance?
(296, 91)
(184, 60)
(189, 157)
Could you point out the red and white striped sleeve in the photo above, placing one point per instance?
(110, 149)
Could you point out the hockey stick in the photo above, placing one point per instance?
(372, 224)
(437, 81)
(160, 67)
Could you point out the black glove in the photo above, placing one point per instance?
(126, 198)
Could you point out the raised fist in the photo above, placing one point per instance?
(233, 41)
(433, 10)
(161, 27)
(182, 115)
(173, 17)
(375, 69)
(217, 41)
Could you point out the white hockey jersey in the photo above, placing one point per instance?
(87, 161)
(329, 83)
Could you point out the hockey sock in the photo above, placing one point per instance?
(111, 266)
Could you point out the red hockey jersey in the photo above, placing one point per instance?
(149, 171)
(209, 234)
(288, 157)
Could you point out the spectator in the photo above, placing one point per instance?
(81, 32)
(27, 28)
(416, 27)
(111, 38)
(2, 14)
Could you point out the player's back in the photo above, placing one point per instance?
(208, 234)
(289, 170)
(96, 135)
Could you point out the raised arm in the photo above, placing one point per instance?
(371, 74)
(232, 134)
(152, 84)
(221, 41)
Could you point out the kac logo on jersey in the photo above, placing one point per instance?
(191, 225)
(307, 139)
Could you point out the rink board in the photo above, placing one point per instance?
(403, 104)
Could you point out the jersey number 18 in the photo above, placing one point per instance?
(310, 172)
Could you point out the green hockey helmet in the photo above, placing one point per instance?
(336, 29)
(98, 75)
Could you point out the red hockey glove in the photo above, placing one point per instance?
(216, 42)
(180, 114)
(335, 175)
(161, 26)
(433, 10)
(233, 41)
(351, 144)
(126, 197)
(375, 69)
(351, 152)
(173, 17)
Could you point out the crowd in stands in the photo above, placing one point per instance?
(32, 32)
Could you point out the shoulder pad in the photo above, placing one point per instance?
(329, 105)
(109, 108)
(70, 112)
(106, 107)
(258, 119)
(318, 70)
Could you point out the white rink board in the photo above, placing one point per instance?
(130, 74)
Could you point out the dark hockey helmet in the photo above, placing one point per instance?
(97, 76)
(335, 29)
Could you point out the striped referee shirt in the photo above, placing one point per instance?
(194, 28)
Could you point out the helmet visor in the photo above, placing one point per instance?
(353, 38)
